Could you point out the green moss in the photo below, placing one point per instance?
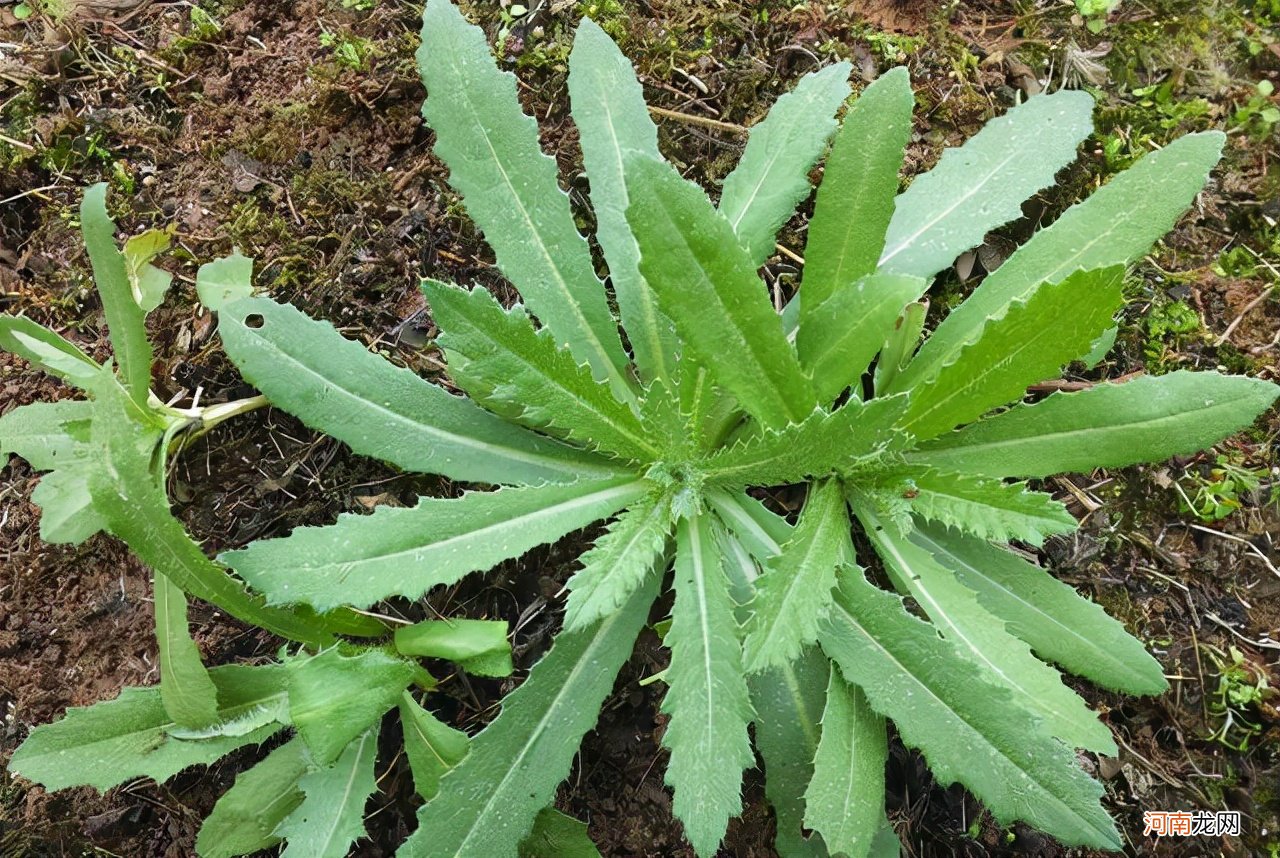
(18, 116)
(250, 227)
(1235, 361)
(276, 140)
(327, 192)
(1168, 326)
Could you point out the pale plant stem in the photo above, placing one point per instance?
(204, 420)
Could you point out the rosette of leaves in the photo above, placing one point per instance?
(713, 392)
(106, 459)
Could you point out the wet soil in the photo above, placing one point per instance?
(246, 125)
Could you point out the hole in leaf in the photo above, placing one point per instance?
(254, 320)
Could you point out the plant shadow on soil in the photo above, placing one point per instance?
(242, 126)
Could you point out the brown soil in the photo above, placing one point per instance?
(254, 135)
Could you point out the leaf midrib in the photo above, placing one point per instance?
(639, 442)
(565, 506)
(778, 401)
(923, 593)
(602, 633)
(905, 242)
(905, 671)
(1010, 269)
(1033, 609)
(548, 462)
(699, 577)
(645, 297)
(346, 791)
(795, 577)
(1084, 431)
(987, 371)
(1004, 498)
(618, 559)
(225, 715)
(560, 282)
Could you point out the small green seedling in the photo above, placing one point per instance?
(1242, 688)
(1220, 490)
(105, 459)
(349, 51)
(774, 624)
(1260, 114)
(1095, 12)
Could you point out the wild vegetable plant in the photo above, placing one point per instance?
(714, 392)
(106, 460)
(718, 393)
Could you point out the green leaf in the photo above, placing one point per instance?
(886, 843)
(222, 281)
(762, 532)
(242, 724)
(788, 701)
(855, 201)
(48, 351)
(966, 726)
(1058, 623)
(1148, 419)
(1101, 347)
(125, 319)
(556, 835)
(619, 562)
(406, 551)
(148, 283)
(67, 511)
(1114, 226)
(710, 413)
(501, 360)
(131, 499)
(900, 345)
(740, 569)
(1096, 7)
(331, 816)
(981, 638)
(794, 593)
(509, 187)
(1029, 343)
(189, 695)
(824, 443)
(988, 509)
(46, 434)
(480, 647)
(761, 193)
(707, 697)
(489, 802)
(981, 185)
(845, 799)
(111, 742)
(244, 820)
(708, 286)
(612, 117)
(333, 697)
(336, 386)
(433, 747)
(838, 338)
(677, 433)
